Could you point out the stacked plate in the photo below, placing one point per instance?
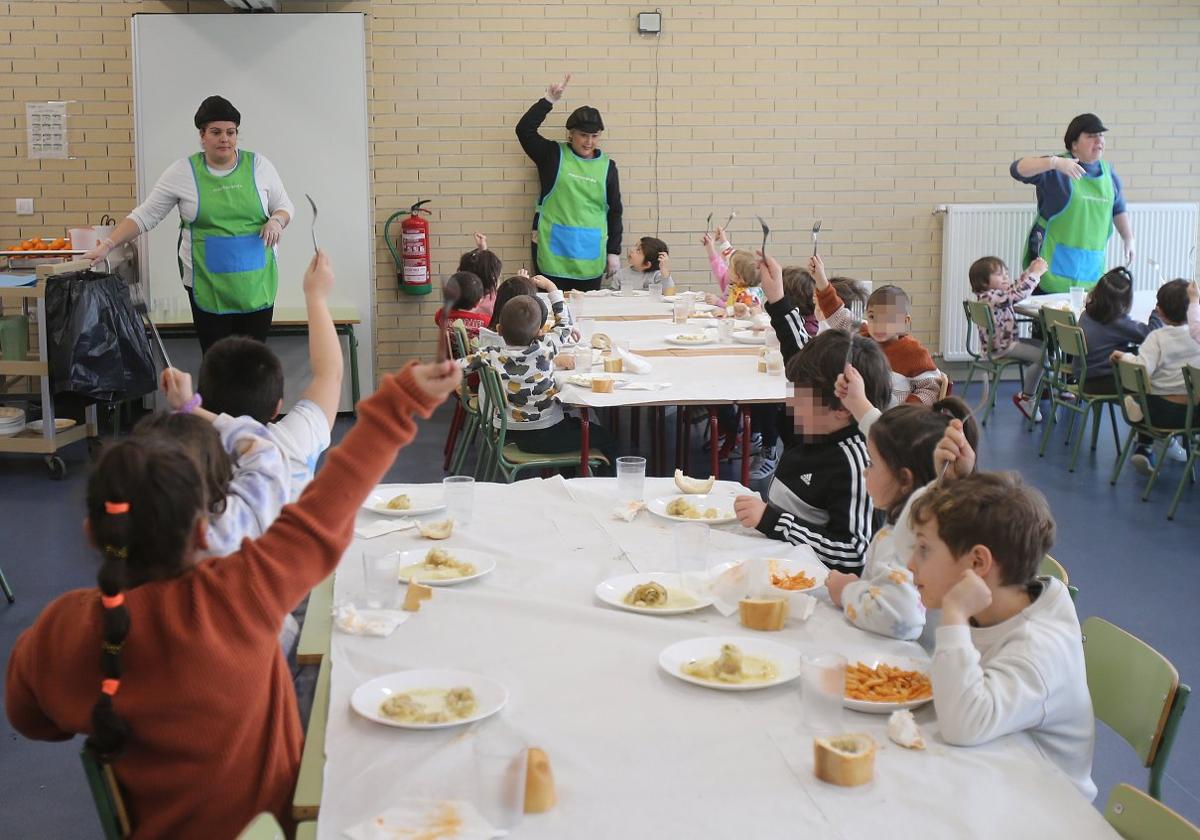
(12, 420)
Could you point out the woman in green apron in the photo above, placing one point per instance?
(1079, 200)
(233, 209)
(577, 224)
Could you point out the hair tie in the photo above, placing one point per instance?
(110, 687)
(111, 602)
(121, 553)
(115, 650)
(114, 508)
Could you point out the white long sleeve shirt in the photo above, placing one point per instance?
(1164, 353)
(1026, 673)
(177, 188)
(259, 489)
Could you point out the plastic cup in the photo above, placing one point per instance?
(691, 555)
(681, 308)
(381, 578)
(631, 478)
(725, 330)
(1078, 297)
(459, 493)
(822, 687)
(500, 761)
(656, 290)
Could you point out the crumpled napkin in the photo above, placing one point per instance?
(598, 293)
(349, 619)
(370, 530)
(642, 386)
(629, 510)
(633, 362)
(426, 818)
(752, 579)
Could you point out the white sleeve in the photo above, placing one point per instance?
(1150, 353)
(976, 705)
(886, 602)
(175, 184)
(302, 436)
(259, 488)
(868, 420)
(267, 178)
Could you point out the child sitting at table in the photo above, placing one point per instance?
(171, 668)
(741, 284)
(1107, 327)
(649, 258)
(466, 308)
(818, 496)
(915, 378)
(243, 377)
(992, 285)
(1164, 354)
(485, 265)
(900, 467)
(801, 288)
(1007, 656)
(537, 422)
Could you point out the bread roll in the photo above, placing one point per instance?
(602, 384)
(846, 760)
(614, 364)
(415, 594)
(764, 614)
(540, 795)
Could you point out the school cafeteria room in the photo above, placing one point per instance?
(591, 419)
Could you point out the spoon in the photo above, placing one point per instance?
(313, 227)
(816, 230)
(450, 295)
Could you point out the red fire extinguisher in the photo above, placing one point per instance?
(412, 263)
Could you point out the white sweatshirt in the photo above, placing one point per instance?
(258, 491)
(1026, 673)
(176, 187)
(1164, 353)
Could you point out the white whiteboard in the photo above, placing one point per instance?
(299, 81)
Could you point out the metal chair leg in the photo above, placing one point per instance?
(8, 593)
(1083, 433)
(1123, 456)
(1187, 473)
(1160, 458)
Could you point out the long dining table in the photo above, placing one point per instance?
(635, 752)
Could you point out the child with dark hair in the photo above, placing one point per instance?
(1164, 354)
(801, 289)
(172, 668)
(649, 261)
(243, 377)
(991, 284)
(466, 308)
(1007, 656)
(485, 265)
(818, 495)
(1107, 327)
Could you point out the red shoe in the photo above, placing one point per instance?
(1028, 406)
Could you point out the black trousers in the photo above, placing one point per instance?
(565, 284)
(212, 328)
(565, 436)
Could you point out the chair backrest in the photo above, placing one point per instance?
(1052, 568)
(459, 342)
(943, 385)
(1133, 383)
(979, 316)
(1191, 381)
(1137, 816)
(1132, 685)
(114, 819)
(263, 827)
(1072, 342)
(494, 407)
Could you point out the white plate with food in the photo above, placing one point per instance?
(797, 574)
(654, 593)
(60, 425)
(711, 508)
(630, 293)
(750, 336)
(405, 500)
(880, 685)
(691, 339)
(439, 566)
(429, 698)
(731, 663)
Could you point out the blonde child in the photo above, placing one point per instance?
(719, 250)
(900, 467)
(741, 284)
(1007, 656)
(649, 259)
(992, 285)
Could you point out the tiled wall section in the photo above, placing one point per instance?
(865, 114)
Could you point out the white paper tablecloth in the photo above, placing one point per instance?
(694, 380)
(1144, 301)
(637, 753)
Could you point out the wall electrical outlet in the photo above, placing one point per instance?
(24, 206)
(649, 23)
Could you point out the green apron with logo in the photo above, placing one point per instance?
(1076, 238)
(573, 218)
(232, 270)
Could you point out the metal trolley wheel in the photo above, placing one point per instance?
(57, 467)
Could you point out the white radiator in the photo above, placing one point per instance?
(1165, 233)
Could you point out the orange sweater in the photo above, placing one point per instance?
(216, 735)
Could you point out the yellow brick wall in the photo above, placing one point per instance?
(863, 114)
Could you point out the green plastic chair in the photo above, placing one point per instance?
(1052, 568)
(468, 402)
(1136, 691)
(1191, 379)
(1137, 816)
(114, 819)
(979, 316)
(1133, 385)
(263, 827)
(1070, 343)
(310, 780)
(1056, 365)
(508, 459)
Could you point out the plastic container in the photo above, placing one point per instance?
(83, 239)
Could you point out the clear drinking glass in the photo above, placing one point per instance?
(822, 687)
(381, 577)
(459, 493)
(691, 555)
(681, 308)
(725, 330)
(631, 478)
(656, 287)
(1078, 297)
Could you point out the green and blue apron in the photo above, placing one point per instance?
(1076, 238)
(233, 271)
(573, 218)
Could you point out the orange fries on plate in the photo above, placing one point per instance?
(793, 583)
(886, 684)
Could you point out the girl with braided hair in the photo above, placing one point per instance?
(190, 687)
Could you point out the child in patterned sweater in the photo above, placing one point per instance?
(537, 422)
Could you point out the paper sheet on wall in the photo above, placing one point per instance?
(46, 129)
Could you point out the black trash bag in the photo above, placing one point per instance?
(96, 339)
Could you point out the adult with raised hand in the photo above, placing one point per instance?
(1079, 200)
(577, 221)
(233, 209)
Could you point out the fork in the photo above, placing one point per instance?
(313, 227)
(816, 230)
(732, 216)
(708, 223)
(765, 231)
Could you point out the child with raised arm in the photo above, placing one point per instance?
(649, 260)
(487, 266)
(1008, 655)
(240, 376)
